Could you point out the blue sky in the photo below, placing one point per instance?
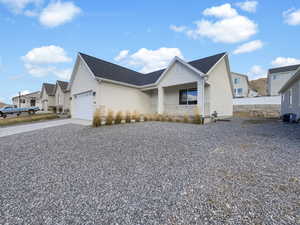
(40, 38)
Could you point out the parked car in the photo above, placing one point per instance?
(14, 110)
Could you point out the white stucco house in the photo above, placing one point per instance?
(277, 77)
(62, 97)
(48, 97)
(204, 83)
(290, 95)
(29, 100)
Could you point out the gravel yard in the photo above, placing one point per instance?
(152, 173)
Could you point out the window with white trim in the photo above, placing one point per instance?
(188, 96)
(236, 80)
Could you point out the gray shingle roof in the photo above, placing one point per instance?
(107, 70)
(50, 88)
(284, 69)
(63, 85)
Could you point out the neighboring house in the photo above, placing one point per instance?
(177, 90)
(240, 85)
(290, 95)
(277, 77)
(48, 97)
(28, 100)
(62, 97)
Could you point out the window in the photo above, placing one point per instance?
(274, 77)
(240, 91)
(32, 102)
(291, 96)
(236, 80)
(22, 101)
(188, 97)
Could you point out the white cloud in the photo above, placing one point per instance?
(292, 17)
(39, 71)
(122, 55)
(249, 6)
(285, 61)
(46, 54)
(64, 74)
(248, 47)
(43, 71)
(222, 11)
(58, 13)
(178, 28)
(150, 60)
(256, 72)
(230, 27)
(18, 6)
(41, 62)
(228, 30)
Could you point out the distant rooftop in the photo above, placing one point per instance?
(284, 69)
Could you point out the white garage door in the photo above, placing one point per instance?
(83, 106)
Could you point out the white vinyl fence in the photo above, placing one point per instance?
(266, 100)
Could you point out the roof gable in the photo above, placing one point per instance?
(49, 88)
(291, 81)
(110, 71)
(63, 85)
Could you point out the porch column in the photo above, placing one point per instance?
(200, 96)
(160, 100)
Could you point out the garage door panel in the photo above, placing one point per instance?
(83, 106)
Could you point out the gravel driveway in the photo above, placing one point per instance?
(152, 173)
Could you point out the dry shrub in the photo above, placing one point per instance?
(170, 118)
(136, 116)
(197, 116)
(146, 118)
(110, 117)
(119, 117)
(97, 118)
(178, 120)
(150, 117)
(163, 118)
(128, 117)
(186, 118)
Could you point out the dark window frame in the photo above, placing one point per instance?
(186, 91)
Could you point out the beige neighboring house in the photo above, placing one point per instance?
(48, 97)
(241, 87)
(29, 100)
(178, 89)
(290, 95)
(277, 77)
(62, 97)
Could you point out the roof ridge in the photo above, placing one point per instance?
(223, 53)
(110, 63)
